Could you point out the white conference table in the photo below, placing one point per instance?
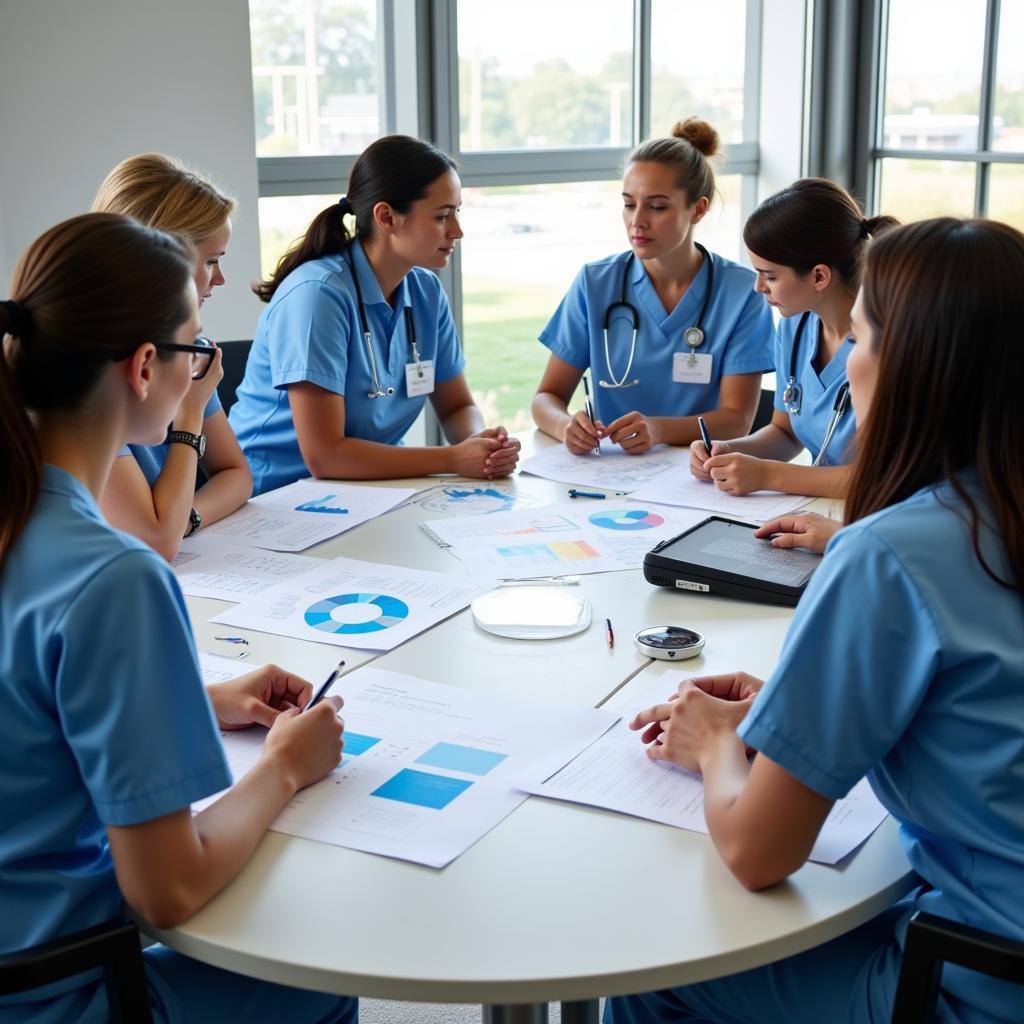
(559, 902)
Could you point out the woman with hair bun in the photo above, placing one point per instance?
(668, 331)
(357, 334)
(806, 245)
(152, 488)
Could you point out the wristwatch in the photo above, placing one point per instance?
(196, 441)
(195, 520)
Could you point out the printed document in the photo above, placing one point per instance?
(427, 768)
(305, 513)
(615, 773)
(349, 603)
(614, 470)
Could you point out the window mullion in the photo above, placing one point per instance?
(988, 99)
(641, 70)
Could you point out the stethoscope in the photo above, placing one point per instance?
(692, 336)
(410, 330)
(792, 396)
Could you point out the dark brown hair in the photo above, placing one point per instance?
(689, 153)
(945, 303)
(813, 221)
(90, 291)
(396, 169)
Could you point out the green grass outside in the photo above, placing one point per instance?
(504, 359)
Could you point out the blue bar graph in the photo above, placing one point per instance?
(422, 789)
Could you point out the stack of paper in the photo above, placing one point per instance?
(613, 470)
(686, 491)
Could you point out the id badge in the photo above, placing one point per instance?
(419, 378)
(690, 368)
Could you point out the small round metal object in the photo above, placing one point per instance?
(694, 337)
(669, 643)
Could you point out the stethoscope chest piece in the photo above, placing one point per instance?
(694, 338)
(791, 397)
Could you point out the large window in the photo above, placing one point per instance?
(951, 137)
(540, 115)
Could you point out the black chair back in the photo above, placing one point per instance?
(236, 355)
(932, 941)
(765, 408)
(114, 946)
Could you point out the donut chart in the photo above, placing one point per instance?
(627, 519)
(321, 615)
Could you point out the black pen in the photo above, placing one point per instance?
(590, 409)
(704, 435)
(327, 684)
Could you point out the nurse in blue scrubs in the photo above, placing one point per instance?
(806, 244)
(357, 335)
(152, 489)
(668, 330)
(107, 736)
(904, 659)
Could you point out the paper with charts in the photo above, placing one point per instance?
(686, 491)
(427, 768)
(573, 538)
(473, 497)
(614, 470)
(305, 513)
(616, 774)
(350, 603)
(214, 567)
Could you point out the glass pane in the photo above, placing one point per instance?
(916, 189)
(708, 83)
(523, 247)
(531, 78)
(314, 76)
(282, 220)
(1008, 122)
(933, 74)
(1006, 194)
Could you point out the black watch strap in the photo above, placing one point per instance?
(194, 441)
(195, 520)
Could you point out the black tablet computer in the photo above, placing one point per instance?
(722, 556)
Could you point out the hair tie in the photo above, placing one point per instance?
(346, 206)
(18, 322)
(865, 228)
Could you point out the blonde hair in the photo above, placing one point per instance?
(161, 193)
(689, 152)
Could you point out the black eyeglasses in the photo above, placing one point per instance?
(203, 350)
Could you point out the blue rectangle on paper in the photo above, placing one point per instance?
(422, 789)
(356, 743)
(455, 758)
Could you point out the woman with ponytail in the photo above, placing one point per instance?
(357, 333)
(668, 330)
(806, 245)
(152, 488)
(107, 736)
(904, 660)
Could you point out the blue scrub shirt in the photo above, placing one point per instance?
(105, 723)
(904, 662)
(818, 393)
(737, 328)
(310, 331)
(152, 457)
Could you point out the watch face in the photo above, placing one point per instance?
(202, 445)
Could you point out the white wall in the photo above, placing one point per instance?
(85, 83)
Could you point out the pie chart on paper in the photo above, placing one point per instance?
(356, 613)
(627, 519)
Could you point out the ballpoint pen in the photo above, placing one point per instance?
(324, 687)
(704, 435)
(609, 633)
(575, 493)
(590, 409)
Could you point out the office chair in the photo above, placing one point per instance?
(765, 408)
(114, 946)
(933, 940)
(235, 354)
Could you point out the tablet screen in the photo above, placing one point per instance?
(732, 547)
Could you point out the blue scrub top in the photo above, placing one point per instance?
(818, 393)
(310, 331)
(737, 327)
(105, 722)
(904, 662)
(152, 457)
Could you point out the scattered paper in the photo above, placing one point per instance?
(615, 773)
(613, 470)
(350, 603)
(427, 768)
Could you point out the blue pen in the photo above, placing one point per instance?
(233, 640)
(325, 686)
(704, 435)
(573, 493)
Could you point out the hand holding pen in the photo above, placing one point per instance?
(589, 402)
